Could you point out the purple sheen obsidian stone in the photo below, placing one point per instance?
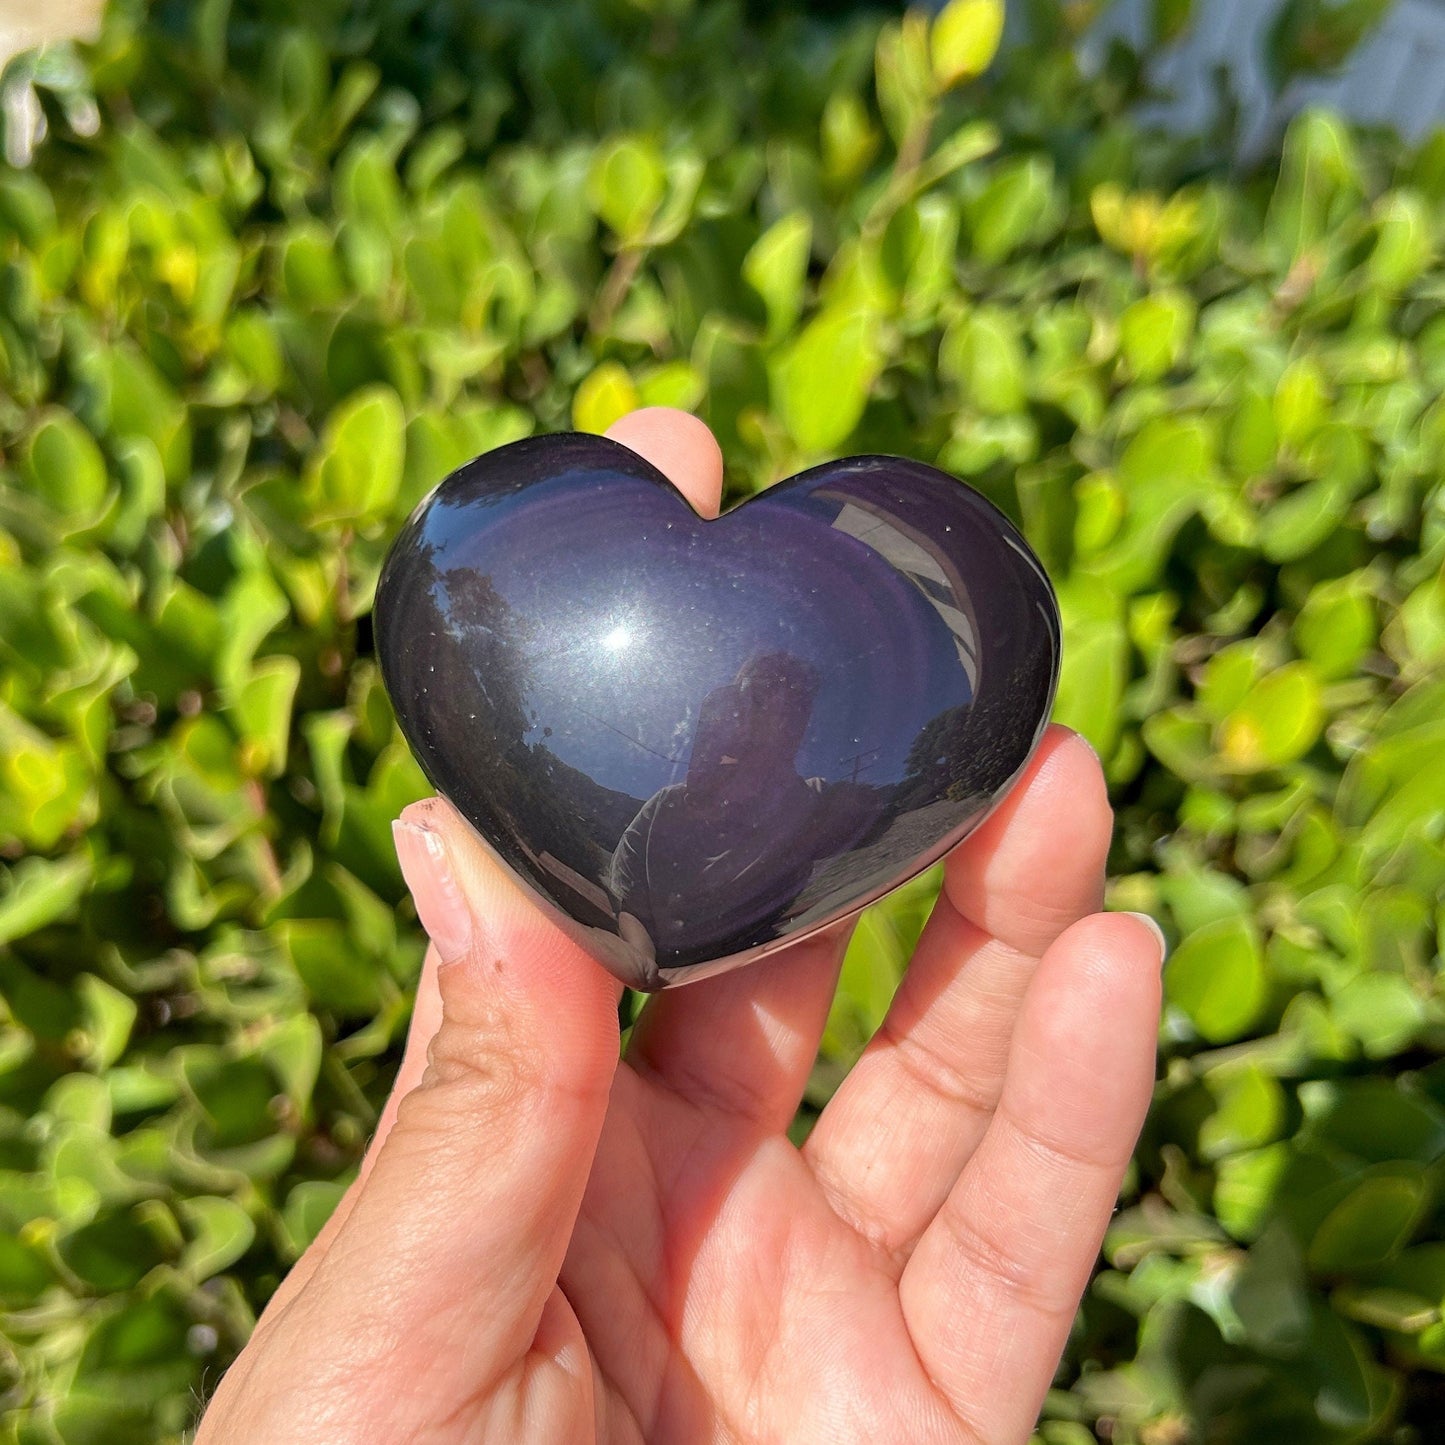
(698, 741)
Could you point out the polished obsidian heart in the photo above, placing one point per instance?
(698, 740)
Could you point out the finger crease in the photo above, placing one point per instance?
(934, 1072)
(1032, 1284)
(752, 1101)
(1055, 1153)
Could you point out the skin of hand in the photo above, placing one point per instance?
(549, 1244)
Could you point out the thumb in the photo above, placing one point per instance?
(464, 1220)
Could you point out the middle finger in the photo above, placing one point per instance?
(894, 1139)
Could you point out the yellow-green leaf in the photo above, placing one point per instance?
(821, 383)
(625, 185)
(964, 40)
(1275, 722)
(605, 395)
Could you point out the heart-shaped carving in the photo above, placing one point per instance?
(697, 740)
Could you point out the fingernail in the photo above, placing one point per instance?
(1153, 928)
(1088, 747)
(439, 901)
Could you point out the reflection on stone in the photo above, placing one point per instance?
(925, 566)
(698, 740)
(737, 840)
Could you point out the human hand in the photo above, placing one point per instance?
(545, 1244)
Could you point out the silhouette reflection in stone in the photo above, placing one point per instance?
(737, 839)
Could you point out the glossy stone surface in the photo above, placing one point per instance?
(697, 740)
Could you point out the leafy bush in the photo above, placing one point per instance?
(314, 257)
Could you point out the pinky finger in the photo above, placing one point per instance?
(992, 1288)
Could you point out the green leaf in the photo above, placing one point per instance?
(1099, 506)
(1378, 1120)
(1155, 332)
(80, 1099)
(1016, 205)
(113, 1252)
(1095, 663)
(135, 401)
(1371, 1223)
(310, 269)
(252, 342)
(293, 1050)
(1252, 441)
(1381, 1010)
(38, 891)
(776, 267)
(336, 976)
(983, 352)
(1420, 1270)
(355, 472)
(625, 185)
(1336, 626)
(262, 710)
(849, 138)
(1269, 1294)
(1198, 896)
(684, 181)
(1385, 1309)
(1318, 186)
(1249, 1112)
(1247, 1186)
(365, 186)
(1300, 522)
(254, 606)
(65, 468)
(1172, 18)
(1418, 635)
(673, 383)
(903, 75)
(1216, 978)
(1301, 402)
(821, 383)
(1228, 677)
(109, 1017)
(235, 1095)
(219, 1231)
(1349, 1391)
(1276, 722)
(1310, 36)
(143, 493)
(964, 40)
(1163, 473)
(439, 442)
(1405, 240)
(146, 1333)
(308, 1206)
(24, 1273)
(1180, 741)
(968, 143)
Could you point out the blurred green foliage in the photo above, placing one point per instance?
(313, 258)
